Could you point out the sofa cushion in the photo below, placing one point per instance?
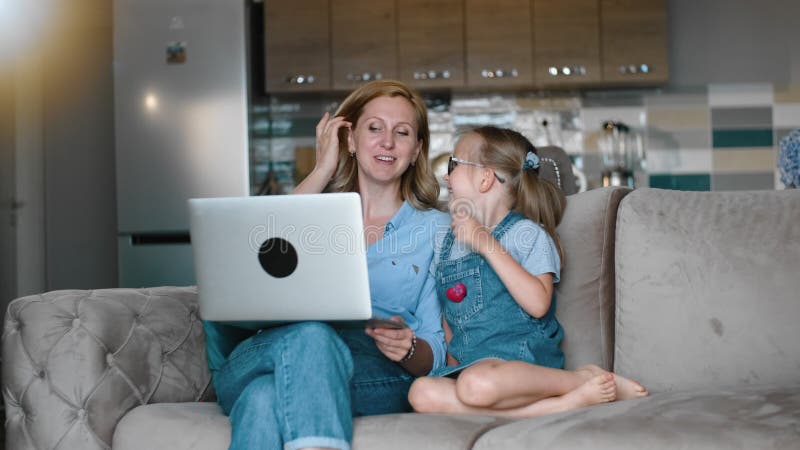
(708, 288)
(174, 426)
(762, 417)
(586, 292)
(202, 426)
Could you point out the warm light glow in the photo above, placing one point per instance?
(151, 102)
(22, 26)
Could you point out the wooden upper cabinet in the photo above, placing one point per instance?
(296, 45)
(634, 41)
(430, 42)
(566, 41)
(364, 41)
(499, 43)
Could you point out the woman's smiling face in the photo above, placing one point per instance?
(385, 139)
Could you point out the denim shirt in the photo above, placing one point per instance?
(400, 284)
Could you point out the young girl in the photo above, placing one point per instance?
(495, 272)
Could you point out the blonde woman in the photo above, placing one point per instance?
(299, 385)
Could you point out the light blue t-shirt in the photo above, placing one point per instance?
(400, 284)
(526, 241)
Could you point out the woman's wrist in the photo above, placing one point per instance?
(315, 181)
(411, 350)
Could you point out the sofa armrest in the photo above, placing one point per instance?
(75, 362)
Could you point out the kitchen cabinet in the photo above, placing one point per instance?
(431, 42)
(634, 41)
(323, 45)
(296, 45)
(499, 45)
(566, 40)
(363, 41)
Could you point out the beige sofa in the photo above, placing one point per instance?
(697, 295)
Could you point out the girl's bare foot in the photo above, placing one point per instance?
(599, 389)
(590, 371)
(627, 388)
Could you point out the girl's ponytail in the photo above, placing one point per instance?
(543, 202)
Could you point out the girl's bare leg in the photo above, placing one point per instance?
(438, 395)
(500, 384)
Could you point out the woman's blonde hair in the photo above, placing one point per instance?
(540, 200)
(417, 184)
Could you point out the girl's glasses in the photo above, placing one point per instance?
(453, 162)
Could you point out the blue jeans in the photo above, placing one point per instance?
(300, 385)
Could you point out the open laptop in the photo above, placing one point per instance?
(280, 258)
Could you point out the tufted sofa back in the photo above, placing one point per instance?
(75, 362)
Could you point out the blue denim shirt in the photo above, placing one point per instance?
(400, 282)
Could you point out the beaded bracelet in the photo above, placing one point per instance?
(411, 350)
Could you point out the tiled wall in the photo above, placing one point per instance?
(719, 137)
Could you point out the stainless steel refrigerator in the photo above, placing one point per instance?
(180, 102)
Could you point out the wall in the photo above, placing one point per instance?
(734, 41)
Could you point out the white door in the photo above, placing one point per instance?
(8, 202)
(22, 237)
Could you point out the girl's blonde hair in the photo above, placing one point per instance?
(540, 200)
(417, 184)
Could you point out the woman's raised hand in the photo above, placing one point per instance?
(327, 153)
(327, 150)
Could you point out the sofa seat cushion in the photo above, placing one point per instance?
(203, 426)
(763, 417)
(192, 425)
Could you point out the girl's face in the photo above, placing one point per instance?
(464, 180)
(385, 139)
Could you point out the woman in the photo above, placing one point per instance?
(299, 385)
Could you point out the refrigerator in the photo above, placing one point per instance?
(180, 103)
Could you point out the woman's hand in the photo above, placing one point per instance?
(393, 343)
(327, 154)
(327, 149)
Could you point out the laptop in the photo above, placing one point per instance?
(280, 258)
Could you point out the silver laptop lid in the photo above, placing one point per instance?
(280, 258)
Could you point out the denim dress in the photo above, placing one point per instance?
(487, 322)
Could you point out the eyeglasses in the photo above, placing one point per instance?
(453, 162)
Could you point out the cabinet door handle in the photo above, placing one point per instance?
(301, 79)
(365, 76)
(431, 74)
(567, 71)
(499, 73)
(635, 69)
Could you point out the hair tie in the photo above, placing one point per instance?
(531, 161)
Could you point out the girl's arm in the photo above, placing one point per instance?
(532, 292)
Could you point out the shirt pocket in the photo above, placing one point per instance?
(460, 312)
(392, 281)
